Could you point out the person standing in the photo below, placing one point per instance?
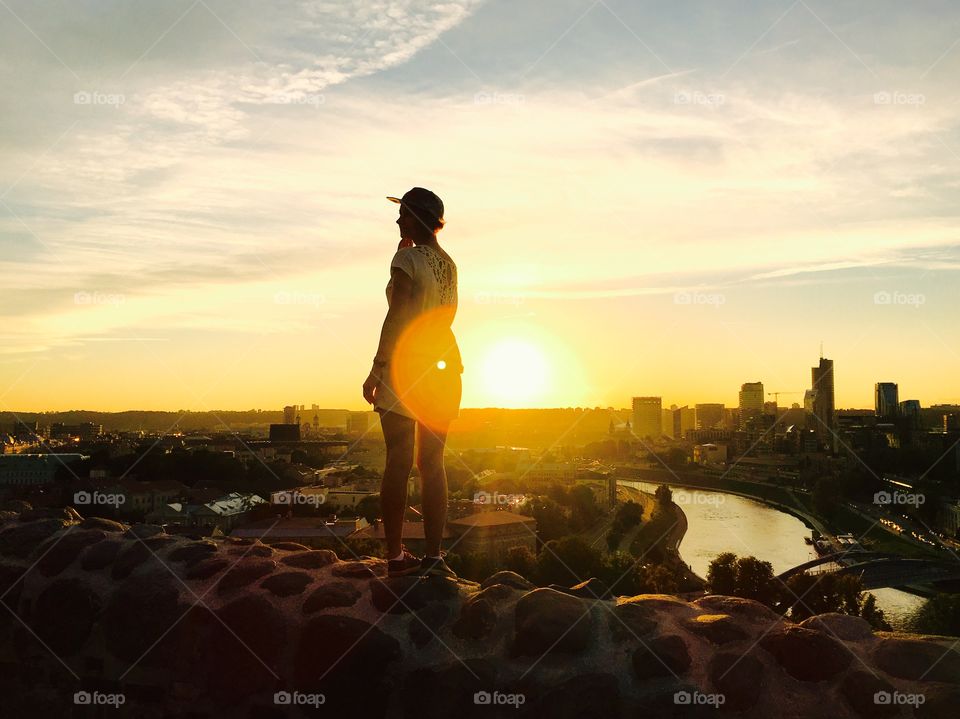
(415, 383)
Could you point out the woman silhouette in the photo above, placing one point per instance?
(415, 382)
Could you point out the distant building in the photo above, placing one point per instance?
(886, 402)
(285, 432)
(361, 422)
(751, 405)
(823, 402)
(494, 533)
(709, 416)
(224, 513)
(84, 431)
(677, 421)
(313, 532)
(910, 411)
(647, 417)
(707, 454)
(33, 469)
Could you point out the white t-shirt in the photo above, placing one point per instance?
(434, 276)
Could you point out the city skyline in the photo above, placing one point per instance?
(636, 204)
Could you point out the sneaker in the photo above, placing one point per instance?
(434, 566)
(409, 564)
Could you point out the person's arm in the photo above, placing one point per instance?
(398, 315)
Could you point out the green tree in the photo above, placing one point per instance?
(722, 574)
(567, 561)
(938, 615)
(369, 507)
(521, 560)
(755, 580)
(663, 495)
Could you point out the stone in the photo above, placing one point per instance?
(739, 677)
(312, 559)
(347, 659)
(448, 690)
(66, 513)
(131, 557)
(477, 618)
(286, 584)
(206, 568)
(100, 555)
(940, 701)
(496, 593)
(64, 613)
(662, 656)
(660, 603)
(254, 550)
(399, 595)
(841, 626)
(193, 552)
(143, 530)
(21, 539)
(248, 643)
(807, 655)
(331, 594)
(427, 623)
(587, 696)
(58, 553)
(138, 613)
(630, 621)
(17, 505)
(859, 688)
(716, 628)
(106, 525)
(289, 546)
(550, 621)
(511, 579)
(737, 606)
(245, 572)
(592, 588)
(917, 659)
(360, 569)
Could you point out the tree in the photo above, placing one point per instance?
(369, 508)
(614, 537)
(521, 560)
(755, 580)
(567, 561)
(663, 495)
(722, 574)
(826, 496)
(938, 615)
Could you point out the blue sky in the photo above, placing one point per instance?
(663, 198)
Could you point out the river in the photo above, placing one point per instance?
(719, 522)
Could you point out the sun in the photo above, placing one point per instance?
(515, 373)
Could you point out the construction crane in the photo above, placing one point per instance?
(776, 396)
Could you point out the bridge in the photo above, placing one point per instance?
(877, 570)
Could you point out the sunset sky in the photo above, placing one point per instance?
(642, 198)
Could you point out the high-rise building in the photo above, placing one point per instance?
(910, 409)
(886, 397)
(823, 401)
(709, 416)
(647, 416)
(677, 420)
(751, 405)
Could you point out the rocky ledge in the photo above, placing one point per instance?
(155, 625)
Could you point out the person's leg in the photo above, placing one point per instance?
(433, 489)
(398, 433)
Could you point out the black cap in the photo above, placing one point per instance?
(421, 200)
